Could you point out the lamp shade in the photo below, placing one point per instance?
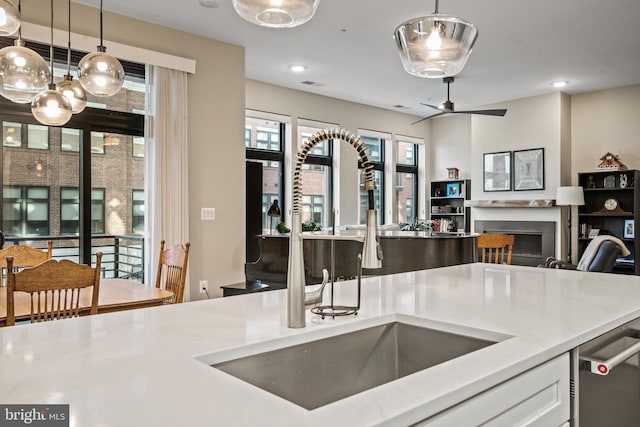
(435, 46)
(276, 13)
(74, 93)
(9, 18)
(274, 210)
(23, 73)
(51, 108)
(100, 74)
(570, 196)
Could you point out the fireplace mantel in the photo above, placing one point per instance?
(540, 203)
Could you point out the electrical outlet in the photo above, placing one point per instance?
(204, 286)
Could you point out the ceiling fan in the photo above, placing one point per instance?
(447, 107)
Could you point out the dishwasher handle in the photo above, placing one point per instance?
(603, 367)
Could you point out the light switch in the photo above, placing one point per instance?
(208, 214)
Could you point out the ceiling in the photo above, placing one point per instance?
(349, 50)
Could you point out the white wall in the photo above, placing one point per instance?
(451, 138)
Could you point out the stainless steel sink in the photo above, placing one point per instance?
(320, 372)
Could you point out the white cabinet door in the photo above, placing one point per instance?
(538, 397)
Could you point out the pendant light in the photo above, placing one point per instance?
(99, 73)
(50, 107)
(9, 18)
(68, 87)
(276, 13)
(435, 46)
(23, 73)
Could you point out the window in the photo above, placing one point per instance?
(406, 181)
(264, 143)
(138, 146)
(32, 136)
(25, 210)
(317, 176)
(375, 144)
(137, 220)
(70, 210)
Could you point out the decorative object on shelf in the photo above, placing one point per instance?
(99, 73)
(624, 180)
(50, 107)
(436, 45)
(629, 230)
(453, 190)
(23, 73)
(437, 192)
(569, 196)
(273, 212)
(612, 206)
(9, 18)
(591, 183)
(496, 174)
(276, 13)
(528, 169)
(68, 87)
(609, 181)
(453, 173)
(611, 162)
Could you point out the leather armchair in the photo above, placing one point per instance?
(603, 261)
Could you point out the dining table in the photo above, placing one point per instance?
(115, 295)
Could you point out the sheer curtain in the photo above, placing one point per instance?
(166, 168)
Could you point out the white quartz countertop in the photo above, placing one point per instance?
(140, 367)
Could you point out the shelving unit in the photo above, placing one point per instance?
(594, 214)
(447, 202)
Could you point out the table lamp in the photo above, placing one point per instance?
(569, 196)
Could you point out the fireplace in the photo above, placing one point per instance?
(535, 240)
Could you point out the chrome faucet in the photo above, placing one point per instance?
(371, 252)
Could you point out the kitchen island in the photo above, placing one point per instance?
(145, 367)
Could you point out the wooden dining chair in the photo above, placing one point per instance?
(172, 270)
(54, 287)
(25, 256)
(497, 248)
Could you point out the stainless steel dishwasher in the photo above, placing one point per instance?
(606, 379)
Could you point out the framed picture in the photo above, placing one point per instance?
(496, 171)
(628, 229)
(528, 169)
(453, 190)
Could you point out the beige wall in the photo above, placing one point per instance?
(451, 139)
(216, 132)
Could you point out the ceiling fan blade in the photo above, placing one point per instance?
(498, 112)
(435, 107)
(431, 116)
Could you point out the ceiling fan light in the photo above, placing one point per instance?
(276, 13)
(100, 74)
(23, 73)
(51, 108)
(9, 18)
(435, 46)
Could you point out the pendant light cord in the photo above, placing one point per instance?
(20, 13)
(437, 8)
(69, 42)
(101, 23)
(51, 46)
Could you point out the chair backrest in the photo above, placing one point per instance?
(604, 258)
(54, 287)
(25, 256)
(172, 270)
(497, 248)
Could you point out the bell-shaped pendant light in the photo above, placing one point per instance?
(435, 46)
(276, 13)
(50, 107)
(68, 87)
(23, 73)
(9, 18)
(99, 73)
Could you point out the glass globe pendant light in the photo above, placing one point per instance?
(71, 89)
(9, 18)
(276, 13)
(99, 73)
(23, 73)
(435, 46)
(50, 107)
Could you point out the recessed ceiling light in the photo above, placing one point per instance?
(297, 68)
(559, 84)
(210, 4)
